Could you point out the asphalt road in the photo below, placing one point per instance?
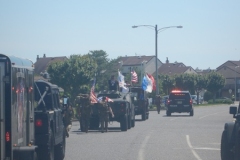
(179, 137)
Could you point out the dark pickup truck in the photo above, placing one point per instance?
(49, 127)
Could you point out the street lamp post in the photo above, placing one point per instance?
(235, 84)
(156, 49)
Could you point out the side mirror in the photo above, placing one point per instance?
(233, 110)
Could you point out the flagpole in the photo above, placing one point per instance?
(131, 76)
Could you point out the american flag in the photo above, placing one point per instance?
(134, 77)
(93, 97)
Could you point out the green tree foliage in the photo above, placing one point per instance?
(201, 82)
(100, 57)
(215, 82)
(167, 84)
(74, 74)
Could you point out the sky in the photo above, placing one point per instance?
(210, 35)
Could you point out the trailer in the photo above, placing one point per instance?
(16, 108)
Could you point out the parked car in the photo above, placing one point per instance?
(194, 99)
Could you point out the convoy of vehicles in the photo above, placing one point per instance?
(230, 141)
(179, 101)
(24, 129)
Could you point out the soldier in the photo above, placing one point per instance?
(85, 111)
(67, 117)
(104, 110)
(158, 103)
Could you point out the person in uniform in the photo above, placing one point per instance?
(113, 84)
(85, 111)
(158, 103)
(104, 110)
(67, 117)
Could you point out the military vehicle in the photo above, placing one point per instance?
(230, 141)
(17, 141)
(122, 108)
(140, 101)
(49, 128)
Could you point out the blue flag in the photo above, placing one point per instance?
(144, 83)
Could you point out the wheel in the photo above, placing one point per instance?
(144, 115)
(94, 123)
(60, 149)
(147, 116)
(168, 113)
(237, 146)
(133, 122)
(226, 153)
(124, 123)
(129, 122)
(46, 152)
(191, 112)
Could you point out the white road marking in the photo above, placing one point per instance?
(205, 148)
(192, 149)
(211, 114)
(142, 148)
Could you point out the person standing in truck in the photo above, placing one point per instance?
(113, 84)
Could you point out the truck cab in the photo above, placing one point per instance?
(49, 127)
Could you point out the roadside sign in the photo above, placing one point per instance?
(230, 91)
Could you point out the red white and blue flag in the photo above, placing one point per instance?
(134, 77)
(93, 97)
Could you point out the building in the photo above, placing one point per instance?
(175, 68)
(41, 64)
(139, 63)
(231, 72)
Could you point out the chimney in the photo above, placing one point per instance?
(37, 57)
(44, 55)
(167, 61)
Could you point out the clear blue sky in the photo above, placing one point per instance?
(209, 37)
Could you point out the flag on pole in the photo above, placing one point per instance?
(147, 84)
(153, 81)
(134, 77)
(93, 98)
(120, 79)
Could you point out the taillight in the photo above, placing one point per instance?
(7, 136)
(191, 101)
(168, 101)
(38, 123)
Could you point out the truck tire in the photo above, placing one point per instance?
(144, 115)
(237, 146)
(129, 122)
(94, 123)
(124, 123)
(46, 152)
(133, 120)
(191, 113)
(60, 149)
(168, 113)
(226, 153)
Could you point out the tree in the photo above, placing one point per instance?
(215, 82)
(167, 84)
(74, 74)
(100, 57)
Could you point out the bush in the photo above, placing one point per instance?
(207, 96)
(220, 101)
